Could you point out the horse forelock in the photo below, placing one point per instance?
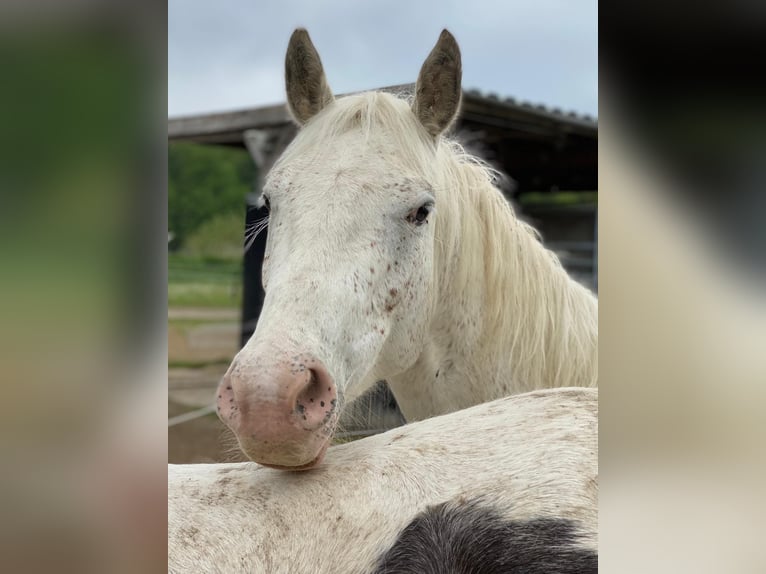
(377, 116)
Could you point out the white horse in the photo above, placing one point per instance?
(506, 486)
(392, 256)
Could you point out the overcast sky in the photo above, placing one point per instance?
(229, 54)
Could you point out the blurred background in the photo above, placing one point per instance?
(682, 306)
(532, 117)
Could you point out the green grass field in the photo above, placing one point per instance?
(197, 282)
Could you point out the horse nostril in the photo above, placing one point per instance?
(316, 401)
(307, 394)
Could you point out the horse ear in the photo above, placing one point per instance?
(307, 89)
(438, 92)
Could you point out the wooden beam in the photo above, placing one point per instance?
(227, 127)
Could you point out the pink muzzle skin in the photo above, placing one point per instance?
(283, 416)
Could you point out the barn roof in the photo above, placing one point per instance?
(478, 109)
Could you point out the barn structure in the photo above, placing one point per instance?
(550, 158)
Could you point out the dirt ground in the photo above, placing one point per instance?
(201, 440)
(201, 342)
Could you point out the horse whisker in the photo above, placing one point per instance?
(253, 230)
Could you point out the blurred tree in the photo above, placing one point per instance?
(204, 182)
(219, 238)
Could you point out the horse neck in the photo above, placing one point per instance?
(507, 318)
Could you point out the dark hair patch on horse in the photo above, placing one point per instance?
(471, 538)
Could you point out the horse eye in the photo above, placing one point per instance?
(420, 215)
